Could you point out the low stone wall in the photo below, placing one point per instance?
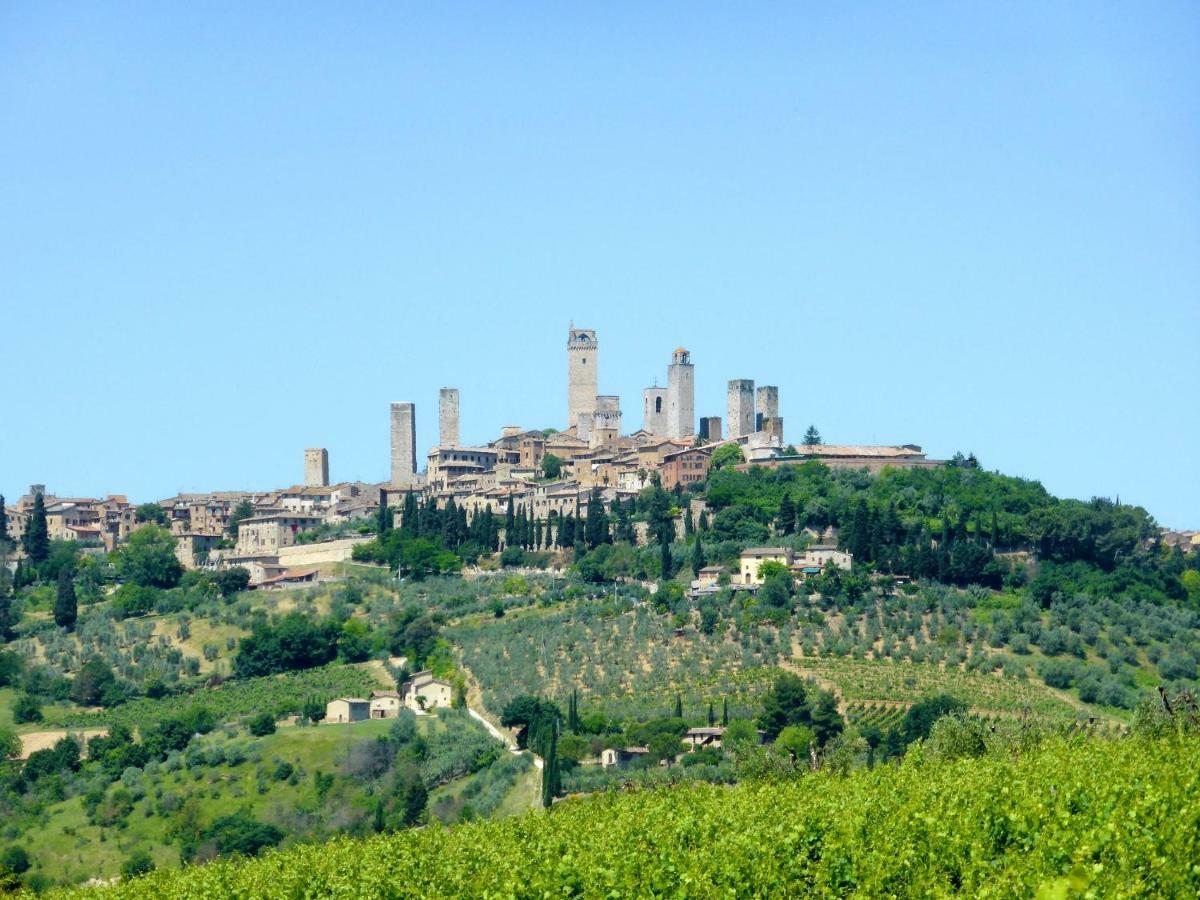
(300, 555)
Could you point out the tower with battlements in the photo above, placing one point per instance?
(583, 362)
(681, 396)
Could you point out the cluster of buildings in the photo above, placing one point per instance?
(546, 473)
(420, 693)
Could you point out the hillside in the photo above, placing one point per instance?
(1112, 818)
(175, 724)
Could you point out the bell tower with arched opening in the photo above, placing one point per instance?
(583, 363)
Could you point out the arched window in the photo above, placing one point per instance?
(658, 404)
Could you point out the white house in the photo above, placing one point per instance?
(347, 709)
(423, 691)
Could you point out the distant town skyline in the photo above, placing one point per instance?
(228, 236)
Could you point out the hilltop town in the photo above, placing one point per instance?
(281, 535)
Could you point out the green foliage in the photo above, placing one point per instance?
(152, 513)
(551, 466)
(292, 642)
(981, 826)
(148, 559)
(36, 537)
(727, 455)
(262, 724)
(27, 709)
(138, 863)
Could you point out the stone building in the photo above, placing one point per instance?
(654, 411)
(686, 468)
(316, 467)
(267, 533)
(766, 406)
(681, 395)
(448, 417)
(583, 361)
(404, 444)
(710, 429)
(740, 403)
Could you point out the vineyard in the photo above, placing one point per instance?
(880, 684)
(1078, 817)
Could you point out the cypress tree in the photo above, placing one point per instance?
(724, 711)
(509, 521)
(712, 715)
(537, 534)
(3, 523)
(37, 534)
(550, 775)
(697, 557)
(385, 519)
(66, 608)
(678, 706)
(665, 558)
(6, 613)
(787, 515)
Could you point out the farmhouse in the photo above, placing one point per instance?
(385, 704)
(621, 756)
(699, 738)
(347, 709)
(423, 691)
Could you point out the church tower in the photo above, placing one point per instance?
(681, 396)
(583, 359)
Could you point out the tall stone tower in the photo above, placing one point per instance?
(448, 417)
(316, 467)
(606, 422)
(766, 405)
(583, 361)
(740, 402)
(654, 411)
(681, 395)
(404, 444)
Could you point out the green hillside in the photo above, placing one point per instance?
(1083, 817)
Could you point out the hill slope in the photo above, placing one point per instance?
(1116, 817)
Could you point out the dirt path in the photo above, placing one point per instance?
(44, 740)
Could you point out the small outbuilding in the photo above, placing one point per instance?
(347, 709)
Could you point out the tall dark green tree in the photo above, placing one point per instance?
(551, 777)
(724, 711)
(697, 556)
(243, 510)
(7, 619)
(3, 524)
(678, 706)
(66, 607)
(664, 557)
(573, 712)
(712, 715)
(786, 521)
(596, 532)
(812, 436)
(36, 539)
(385, 520)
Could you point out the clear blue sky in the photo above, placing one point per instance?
(230, 231)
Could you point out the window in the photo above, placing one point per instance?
(658, 404)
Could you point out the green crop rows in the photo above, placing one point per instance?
(1112, 818)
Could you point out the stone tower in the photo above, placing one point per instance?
(404, 444)
(654, 411)
(740, 403)
(583, 360)
(448, 417)
(710, 429)
(681, 395)
(316, 467)
(606, 422)
(766, 406)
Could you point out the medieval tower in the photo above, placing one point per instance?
(404, 444)
(740, 403)
(681, 395)
(654, 411)
(583, 358)
(448, 417)
(316, 467)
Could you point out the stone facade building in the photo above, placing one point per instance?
(448, 417)
(740, 403)
(681, 396)
(316, 467)
(404, 444)
(583, 365)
